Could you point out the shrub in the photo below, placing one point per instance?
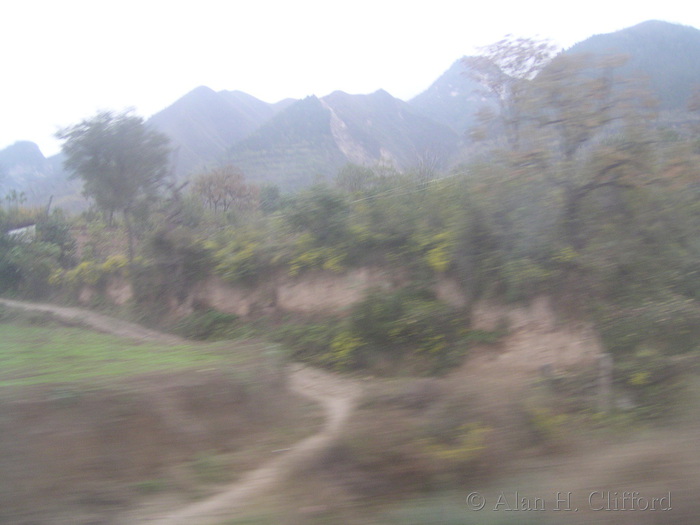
(56, 230)
(322, 212)
(309, 341)
(344, 351)
(654, 382)
(435, 250)
(407, 322)
(237, 257)
(671, 324)
(524, 278)
(207, 325)
(27, 267)
(91, 273)
(548, 426)
(307, 256)
(464, 446)
(382, 329)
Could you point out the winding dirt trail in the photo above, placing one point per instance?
(336, 395)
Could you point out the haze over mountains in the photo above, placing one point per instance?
(293, 142)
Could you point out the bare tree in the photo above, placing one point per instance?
(224, 187)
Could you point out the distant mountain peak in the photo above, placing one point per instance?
(203, 89)
(655, 25)
(22, 152)
(382, 93)
(203, 124)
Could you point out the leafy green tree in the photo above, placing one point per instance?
(356, 179)
(9, 272)
(593, 124)
(120, 160)
(577, 96)
(26, 265)
(270, 198)
(585, 125)
(322, 212)
(55, 229)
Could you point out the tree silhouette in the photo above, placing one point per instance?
(120, 160)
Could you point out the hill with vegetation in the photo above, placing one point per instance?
(665, 55)
(316, 137)
(292, 148)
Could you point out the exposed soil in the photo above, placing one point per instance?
(335, 395)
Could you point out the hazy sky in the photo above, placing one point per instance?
(62, 60)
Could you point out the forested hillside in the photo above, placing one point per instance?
(663, 54)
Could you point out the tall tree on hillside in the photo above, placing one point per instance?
(578, 96)
(585, 125)
(504, 69)
(120, 160)
(592, 121)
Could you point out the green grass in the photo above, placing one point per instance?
(31, 354)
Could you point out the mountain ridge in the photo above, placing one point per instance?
(320, 135)
(203, 123)
(291, 142)
(666, 54)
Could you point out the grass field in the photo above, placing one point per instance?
(50, 353)
(126, 421)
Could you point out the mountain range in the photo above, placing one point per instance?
(317, 136)
(293, 142)
(203, 123)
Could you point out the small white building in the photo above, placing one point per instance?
(26, 234)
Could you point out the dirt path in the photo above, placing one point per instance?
(337, 396)
(99, 322)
